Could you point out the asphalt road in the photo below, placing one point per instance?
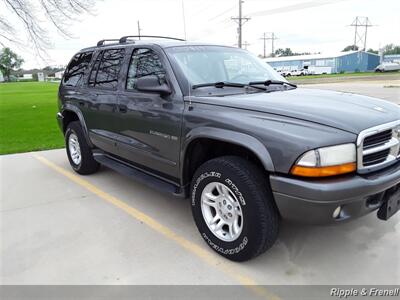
(61, 228)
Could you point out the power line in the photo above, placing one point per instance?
(240, 20)
(265, 38)
(360, 25)
(222, 13)
(293, 7)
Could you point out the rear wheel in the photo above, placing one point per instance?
(79, 154)
(233, 208)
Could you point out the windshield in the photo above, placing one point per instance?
(204, 64)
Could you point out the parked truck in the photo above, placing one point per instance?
(216, 125)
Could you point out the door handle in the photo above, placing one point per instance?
(123, 108)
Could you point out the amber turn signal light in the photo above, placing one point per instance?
(323, 171)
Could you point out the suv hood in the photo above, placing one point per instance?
(346, 111)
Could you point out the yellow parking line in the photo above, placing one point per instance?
(205, 254)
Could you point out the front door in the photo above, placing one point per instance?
(149, 123)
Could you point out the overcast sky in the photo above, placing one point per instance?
(302, 25)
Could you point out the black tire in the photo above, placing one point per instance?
(87, 163)
(260, 225)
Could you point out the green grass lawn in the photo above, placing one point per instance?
(28, 117)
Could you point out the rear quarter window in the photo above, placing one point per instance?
(105, 71)
(76, 69)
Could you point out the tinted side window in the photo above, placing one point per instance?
(105, 72)
(93, 73)
(76, 68)
(144, 62)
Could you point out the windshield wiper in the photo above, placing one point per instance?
(270, 82)
(219, 84)
(222, 84)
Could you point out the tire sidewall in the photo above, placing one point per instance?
(68, 132)
(239, 247)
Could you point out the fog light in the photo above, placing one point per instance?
(336, 212)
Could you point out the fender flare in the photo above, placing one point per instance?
(238, 138)
(77, 111)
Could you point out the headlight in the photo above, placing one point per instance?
(327, 161)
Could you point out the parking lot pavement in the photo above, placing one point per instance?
(56, 231)
(384, 89)
(61, 228)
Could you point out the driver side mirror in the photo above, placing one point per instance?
(151, 83)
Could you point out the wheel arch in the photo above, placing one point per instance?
(243, 144)
(70, 113)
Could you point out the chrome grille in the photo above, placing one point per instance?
(377, 139)
(378, 147)
(375, 158)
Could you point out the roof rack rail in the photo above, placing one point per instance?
(125, 38)
(102, 42)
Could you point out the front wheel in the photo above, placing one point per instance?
(233, 208)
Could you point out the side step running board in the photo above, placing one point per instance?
(137, 174)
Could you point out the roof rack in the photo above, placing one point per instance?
(125, 38)
(102, 42)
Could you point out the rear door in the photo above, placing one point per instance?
(101, 107)
(73, 80)
(149, 125)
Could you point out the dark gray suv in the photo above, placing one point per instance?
(218, 126)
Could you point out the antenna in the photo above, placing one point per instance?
(184, 19)
(139, 29)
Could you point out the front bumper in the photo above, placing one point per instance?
(314, 201)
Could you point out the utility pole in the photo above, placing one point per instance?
(361, 25)
(355, 24)
(272, 37)
(240, 20)
(246, 44)
(138, 29)
(367, 24)
(264, 38)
